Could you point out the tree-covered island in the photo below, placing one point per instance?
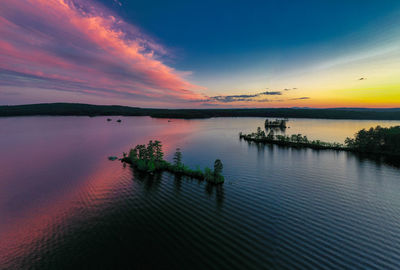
(277, 123)
(150, 159)
(376, 140)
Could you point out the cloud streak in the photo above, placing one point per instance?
(300, 98)
(78, 46)
(242, 98)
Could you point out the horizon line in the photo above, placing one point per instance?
(214, 108)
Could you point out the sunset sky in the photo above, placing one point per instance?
(201, 54)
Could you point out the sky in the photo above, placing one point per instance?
(201, 54)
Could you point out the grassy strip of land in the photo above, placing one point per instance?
(76, 109)
(376, 140)
(150, 159)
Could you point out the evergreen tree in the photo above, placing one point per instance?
(260, 133)
(150, 151)
(218, 167)
(159, 155)
(133, 154)
(178, 157)
(270, 135)
(141, 148)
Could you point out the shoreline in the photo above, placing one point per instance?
(249, 138)
(78, 109)
(170, 169)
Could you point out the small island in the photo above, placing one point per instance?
(150, 159)
(376, 140)
(277, 123)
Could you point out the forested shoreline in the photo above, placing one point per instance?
(77, 109)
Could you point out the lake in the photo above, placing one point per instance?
(64, 205)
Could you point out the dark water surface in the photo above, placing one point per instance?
(63, 205)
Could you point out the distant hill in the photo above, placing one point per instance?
(77, 109)
(370, 109)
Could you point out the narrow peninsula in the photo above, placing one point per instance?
(376, 140)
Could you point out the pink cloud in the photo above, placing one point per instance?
(80, 47)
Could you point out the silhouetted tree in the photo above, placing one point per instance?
(376, 140)
(260, 133)
(218, 167)
(159, 155)
(142, 151)
(270, 135)
(178, 157)
(150, 151)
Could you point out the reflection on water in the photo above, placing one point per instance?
(63, 205)
(379, 160)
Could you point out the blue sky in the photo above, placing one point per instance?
(236, 32)
(239, 44)
(202, 50)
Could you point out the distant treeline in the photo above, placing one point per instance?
(76, 109)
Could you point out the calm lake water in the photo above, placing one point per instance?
(63, 205)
